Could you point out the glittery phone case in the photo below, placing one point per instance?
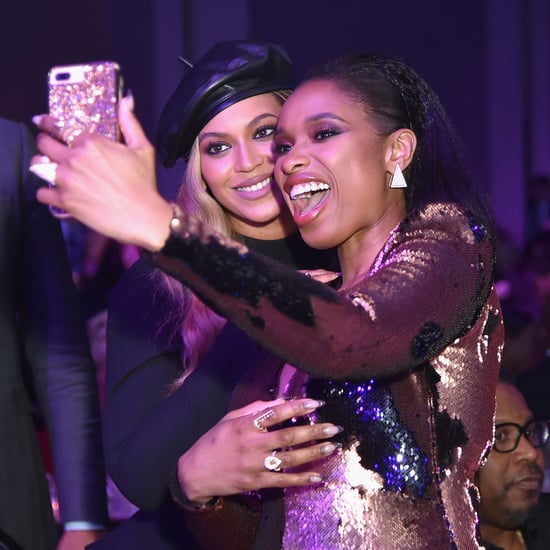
(85, 97)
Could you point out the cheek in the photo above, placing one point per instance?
(266, 149)
(218, 195)
(359, 169)
(493, 474)
(278, 174)
(215, 173)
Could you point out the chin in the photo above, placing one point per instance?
(314, 236)
(518, 515)
(317, 242)
(265, 216)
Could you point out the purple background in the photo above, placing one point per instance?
(487, 59)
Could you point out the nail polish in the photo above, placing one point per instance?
(332, 430)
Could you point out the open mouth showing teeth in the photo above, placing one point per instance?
(307, 190)
(307, 196)
(256, 186)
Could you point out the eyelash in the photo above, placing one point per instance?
(318, 135)
(282, 148)
(218, 147)
(264, 131)
(325, 133)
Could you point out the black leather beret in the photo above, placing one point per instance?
(229, 72)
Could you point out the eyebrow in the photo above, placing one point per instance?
(320, 116)
(224, 135)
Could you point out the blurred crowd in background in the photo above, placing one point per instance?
(523, 285)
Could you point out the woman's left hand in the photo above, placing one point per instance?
(248, 450)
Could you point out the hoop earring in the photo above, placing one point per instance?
(398, 179)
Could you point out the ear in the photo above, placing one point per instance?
(402, 145)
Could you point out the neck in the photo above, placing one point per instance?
(278, 228)
(358, 253)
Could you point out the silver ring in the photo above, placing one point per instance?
(258, 421)
(272, 462)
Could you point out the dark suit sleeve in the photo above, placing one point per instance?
(145, 430)
(56, 346)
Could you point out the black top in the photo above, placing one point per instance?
(146, 432)
(536, 531)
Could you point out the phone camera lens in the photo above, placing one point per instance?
(63, 76)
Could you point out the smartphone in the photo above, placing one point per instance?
(85, 97)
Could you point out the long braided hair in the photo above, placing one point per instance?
(395, 97)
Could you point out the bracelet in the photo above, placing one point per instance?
(181, 500)
(213, 504)
(83, 526)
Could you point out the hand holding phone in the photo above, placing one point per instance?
(82, 98)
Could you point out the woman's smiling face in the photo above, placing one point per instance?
(334, 166)
(237, 161)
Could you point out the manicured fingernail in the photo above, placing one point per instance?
(328, 448)
(315, 479)
(333, 430)
(128, 100)
(313, 404)
(37, 119)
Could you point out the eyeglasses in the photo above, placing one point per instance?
(507, 435)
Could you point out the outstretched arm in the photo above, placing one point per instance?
(424, 291)
(388, 324)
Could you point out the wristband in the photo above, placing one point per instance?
(181, 500)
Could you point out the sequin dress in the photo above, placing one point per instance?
(407, 361)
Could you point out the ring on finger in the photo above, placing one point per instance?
(45, 170)
(67, 132)
(258, 421)
(272, 462)
(70, 134)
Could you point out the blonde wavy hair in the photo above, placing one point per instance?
(194, 322)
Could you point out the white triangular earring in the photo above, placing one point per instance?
(398, 179)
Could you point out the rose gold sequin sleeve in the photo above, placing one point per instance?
(424, 290)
